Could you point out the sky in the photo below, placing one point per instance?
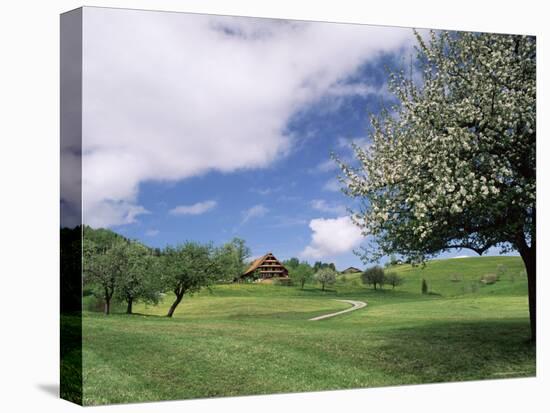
(204, 128)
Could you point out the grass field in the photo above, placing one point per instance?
(256, 339)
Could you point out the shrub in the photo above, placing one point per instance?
(373, 276)
(489, 279)
(424, 286)
(393, 279)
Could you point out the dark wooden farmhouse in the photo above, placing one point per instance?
(265, 267)
(351, 270)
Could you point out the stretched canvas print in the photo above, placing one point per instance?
(257, 206)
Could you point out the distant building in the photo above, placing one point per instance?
(265, 267)
(351, 270)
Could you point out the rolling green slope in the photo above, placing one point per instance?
(256, 339)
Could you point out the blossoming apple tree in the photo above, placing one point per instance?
(452, 163)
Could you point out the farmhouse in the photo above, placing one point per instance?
(351, 270)
(265, 267)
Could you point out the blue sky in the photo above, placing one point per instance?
(207, 128)
(286, 195)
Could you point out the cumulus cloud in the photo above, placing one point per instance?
(113, 212)
(168, 96)
(332, 237)
(195, 209)
(324, 206)
(257, 211)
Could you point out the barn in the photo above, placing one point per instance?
(351, 270)
(265, 267)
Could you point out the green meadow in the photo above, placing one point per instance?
(243, 339)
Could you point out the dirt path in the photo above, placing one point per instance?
(356, 305)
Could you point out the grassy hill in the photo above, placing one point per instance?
(256, 338)
(458, 276)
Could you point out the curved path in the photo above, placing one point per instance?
(356, 305)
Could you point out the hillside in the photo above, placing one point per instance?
(458, 276)
(256, 338)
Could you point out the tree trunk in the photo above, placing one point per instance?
(179, 297)
(529, 256)
(107, 296)
(129, 307)
(323, 284)
(303, 282)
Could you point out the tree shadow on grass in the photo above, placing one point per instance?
(146, 315)
(134, 315)
(451, 351)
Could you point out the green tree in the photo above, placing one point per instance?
(325, 276)
(452, 164)
(231, 259)
(393, 279)
(317, 266)
(242, 252)
(187, 268)
(138, 277)
(373, 276)
(103, 266)
(291, 263)
(302, 273)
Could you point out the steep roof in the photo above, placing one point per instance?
(256, 263)
(259, 261)
(351, 269)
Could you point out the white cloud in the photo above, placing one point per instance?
(363, 142)
(324, 206)
(357, 89)
(332, 237)
(168, 96)
(110, 212)
(195, 209)
(152, 232)
(325, 166)
(257, 211)
(332, 185)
